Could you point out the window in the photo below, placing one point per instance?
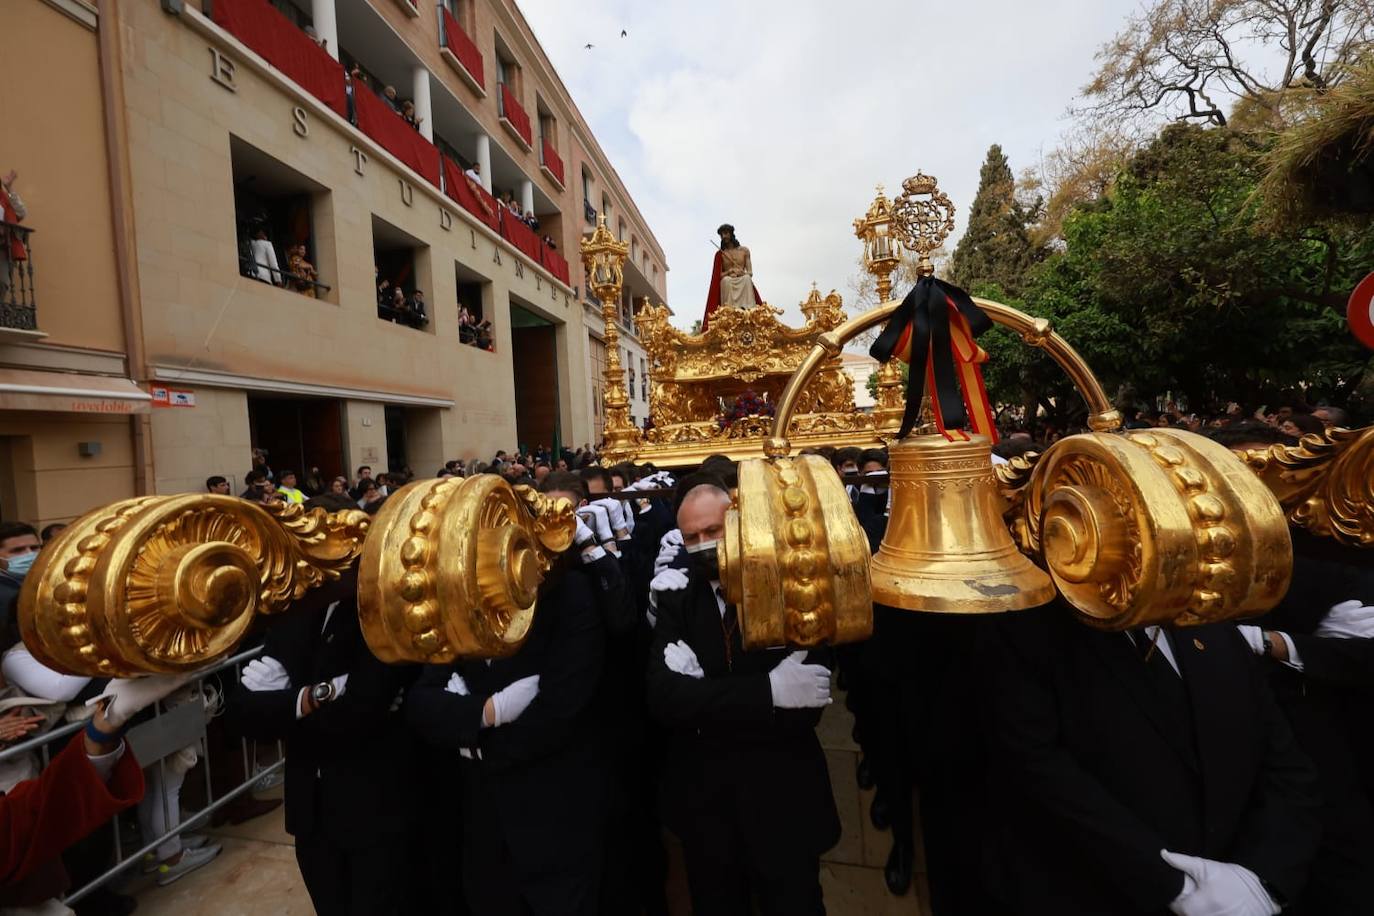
(620, 235)
(462, 11)
(275, 212)
(588, 211)
(643, 380)
(606, 207)
(474, 328)
(396, 256)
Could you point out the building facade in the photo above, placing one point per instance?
(270, 203)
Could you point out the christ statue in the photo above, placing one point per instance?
(732, 277)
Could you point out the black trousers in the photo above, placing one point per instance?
(725, 868)
(362, 881)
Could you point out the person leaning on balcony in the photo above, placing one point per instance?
(265, 266)
(408, 114)
(474, 172)
(302, 271)
(389, 96)
(12, 249)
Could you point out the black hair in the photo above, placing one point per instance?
(721, 467)
(253, 477)
(594, 472)
(873, 454)
(734, 239)
(16, 529)
(1250, 432)
(50, 531)
(213, 481)
(563, 482)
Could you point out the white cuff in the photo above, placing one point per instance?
(105, 763)
(592, 555)
(300, 702)
(1294, 660)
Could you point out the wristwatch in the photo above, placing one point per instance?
(322, 692)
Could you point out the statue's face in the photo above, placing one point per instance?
(726, 237)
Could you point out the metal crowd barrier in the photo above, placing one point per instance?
(152, 742)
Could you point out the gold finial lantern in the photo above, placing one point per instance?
(603, 261)
(882, 255)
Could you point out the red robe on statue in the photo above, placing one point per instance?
(713, 295)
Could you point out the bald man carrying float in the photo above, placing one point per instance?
(745, 786)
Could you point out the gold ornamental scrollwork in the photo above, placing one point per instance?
(1325, 483)
(1156, 527)
(794, 558)
(166, 584)
(453, 568)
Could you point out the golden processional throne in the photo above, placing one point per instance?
(716, 392)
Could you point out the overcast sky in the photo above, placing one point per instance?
(780, 117)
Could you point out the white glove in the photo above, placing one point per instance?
(670, 580)
(265, 673)
(797, 685)
(339, 683)
(510, 701)
(584, 536)
(1223, 889)
(1254, 636)
(615, 509)
(457, 685)
(629, 510)
(130, 695)
(661, 480)
(680, 659)
(599, 521)
(1348, 620)
(668, 546)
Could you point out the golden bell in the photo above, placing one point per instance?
(947, 548)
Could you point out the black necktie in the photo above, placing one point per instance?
(729, 622)
(1162, 675)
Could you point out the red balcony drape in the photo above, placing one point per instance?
(260, 26)
(472, 198)
(552, 162)
(512, 112)
(456, 39)
(378, 121)
(556, 264)
(521, 236)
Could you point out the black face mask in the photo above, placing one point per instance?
(705, 559)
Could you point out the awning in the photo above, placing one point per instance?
(69, 392)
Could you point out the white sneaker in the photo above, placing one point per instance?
(191, 859)
(188, 841)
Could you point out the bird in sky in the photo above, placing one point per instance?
(623, 33)
(589, 46)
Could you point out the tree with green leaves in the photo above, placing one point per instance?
(1170, 283)
(996, 247)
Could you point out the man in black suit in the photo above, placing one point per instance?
(745, 785)
(320, 689)
(529, 748)
(1317, 648)
(1142, 772)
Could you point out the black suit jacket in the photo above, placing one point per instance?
(1095, 773)
(729, 749)
(544, 773)
(346, 763)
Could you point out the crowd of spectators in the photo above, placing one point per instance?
(474, 331)
(396, 305)
(1283, 424)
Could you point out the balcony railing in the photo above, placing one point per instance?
(454, 39)
(17, 308)
(516, 119)
(550, 160)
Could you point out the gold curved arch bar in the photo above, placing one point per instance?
(1037, 332)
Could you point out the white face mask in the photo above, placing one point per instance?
(870, 488)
